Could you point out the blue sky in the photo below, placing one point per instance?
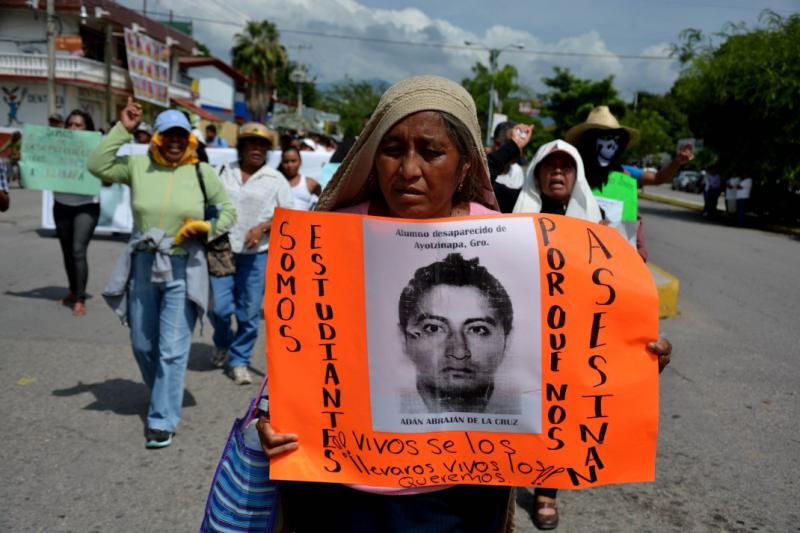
(605, 27)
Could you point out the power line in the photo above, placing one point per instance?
(719, 6)
(379, 40)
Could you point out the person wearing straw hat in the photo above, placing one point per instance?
(592, 138)
(601, 141)
(255, 190)
(419, 156)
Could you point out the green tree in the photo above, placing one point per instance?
(353, 101)
(661, 123)
(480, 83)
(569, 99)
(204, 51)
(510, 94)
(741, 97)
(258, 54)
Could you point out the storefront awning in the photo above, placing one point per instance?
(196, 109)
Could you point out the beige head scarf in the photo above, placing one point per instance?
(352, 184)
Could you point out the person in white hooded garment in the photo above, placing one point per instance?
(555, 183)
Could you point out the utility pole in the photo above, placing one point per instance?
(493, 53)
(51, 57)
(298, 76)
(108, 60)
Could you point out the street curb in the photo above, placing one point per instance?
(670, 201)
(786, 230)
(668, 288)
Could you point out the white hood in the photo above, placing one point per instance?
(582, 203)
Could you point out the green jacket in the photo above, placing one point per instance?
(161, 197)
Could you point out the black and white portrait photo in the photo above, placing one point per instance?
(453, 322)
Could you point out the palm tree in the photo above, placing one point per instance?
(258, 54)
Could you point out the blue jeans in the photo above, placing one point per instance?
(161, 319)
(741, 208)
(241, 294)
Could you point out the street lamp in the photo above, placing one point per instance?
(298, 76)
(493, 54)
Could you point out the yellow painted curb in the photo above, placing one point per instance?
(668, 288)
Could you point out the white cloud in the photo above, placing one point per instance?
(333, 59)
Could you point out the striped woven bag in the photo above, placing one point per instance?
(242, 498)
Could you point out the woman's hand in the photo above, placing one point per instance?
(274, 443)
(191, 228)
(521, 135)
(253, 236)
(131, 115)
(663, 349)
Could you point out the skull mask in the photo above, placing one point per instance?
(607, 147)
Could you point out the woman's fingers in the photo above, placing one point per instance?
(663, 349)
(660, 347)
(274, 443)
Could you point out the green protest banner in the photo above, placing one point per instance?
(620, 189)
(54, 159)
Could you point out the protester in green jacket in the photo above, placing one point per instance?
(166, 284)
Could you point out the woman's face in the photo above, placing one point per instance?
(254, 152)
(175, 142)
(290, 164)
(418, 167)
(75, 122)
(556, 175)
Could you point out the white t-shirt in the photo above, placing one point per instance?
(746, 185)
(255, 201)
(514, 179)
(66, 198)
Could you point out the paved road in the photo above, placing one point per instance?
(71, 402)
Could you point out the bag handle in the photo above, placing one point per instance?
(202, 183)
(254, 404)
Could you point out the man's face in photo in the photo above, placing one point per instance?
(455, 340)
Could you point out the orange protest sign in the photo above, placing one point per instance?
(503, 350)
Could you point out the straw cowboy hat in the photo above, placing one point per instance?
(258, 131)
(600, 118)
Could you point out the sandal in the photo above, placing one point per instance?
(79, 309)
(545, 520)
(67, 300)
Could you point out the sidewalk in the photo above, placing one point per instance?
(665, 195)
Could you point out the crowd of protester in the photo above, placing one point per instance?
(164, 281)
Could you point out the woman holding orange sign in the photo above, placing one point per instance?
(418, 157)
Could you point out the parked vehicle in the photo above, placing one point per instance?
(689, 181)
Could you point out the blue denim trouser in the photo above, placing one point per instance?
(241, 294)
(161, 319)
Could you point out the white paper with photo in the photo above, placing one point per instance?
(393, 251)
(612, 209)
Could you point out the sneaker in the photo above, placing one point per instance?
(240, 375)
(219, 358)
(158, 438)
